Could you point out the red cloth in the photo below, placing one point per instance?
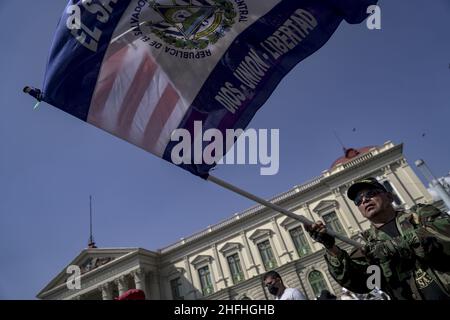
(133, 294)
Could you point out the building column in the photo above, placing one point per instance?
(401, 189)
(359, 217)
(155, 293)
(274, 250)
(107, 292)
(347, 213)
(121, 285)
(248, 251)
(139, 281)
(420, 193)
(192, 292)
(285, 254)
(311, 243)
(219, 266)
(298, 270)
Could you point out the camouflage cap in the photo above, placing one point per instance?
(368, 183)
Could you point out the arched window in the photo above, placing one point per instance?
(317, 282)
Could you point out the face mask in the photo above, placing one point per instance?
(273, 289)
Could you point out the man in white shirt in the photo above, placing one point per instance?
(274, 283)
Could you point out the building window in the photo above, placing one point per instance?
(175, 285)
(390, 189)
(317, 282)
(332, 221)
(300, 242)
(235, 268)
(267, 256)
(205, 281)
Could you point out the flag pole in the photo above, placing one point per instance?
(275, 207)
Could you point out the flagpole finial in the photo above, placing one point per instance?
(34, 92)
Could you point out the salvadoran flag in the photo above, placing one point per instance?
(140, 69)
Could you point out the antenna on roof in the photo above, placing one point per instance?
(91, 243)
(339, 140)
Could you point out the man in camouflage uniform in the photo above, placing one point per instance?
(412, 248)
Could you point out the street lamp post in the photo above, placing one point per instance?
(435, 184)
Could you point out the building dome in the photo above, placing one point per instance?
(349, 154)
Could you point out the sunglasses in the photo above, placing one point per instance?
(368, 195)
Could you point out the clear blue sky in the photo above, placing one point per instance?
(392, 84)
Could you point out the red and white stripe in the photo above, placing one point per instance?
(135, 100)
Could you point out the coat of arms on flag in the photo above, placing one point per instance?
(191, 25)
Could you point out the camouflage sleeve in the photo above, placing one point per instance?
(433, 239)
(350, 271)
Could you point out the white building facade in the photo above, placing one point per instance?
(228, 260)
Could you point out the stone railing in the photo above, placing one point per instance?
(358, 160)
